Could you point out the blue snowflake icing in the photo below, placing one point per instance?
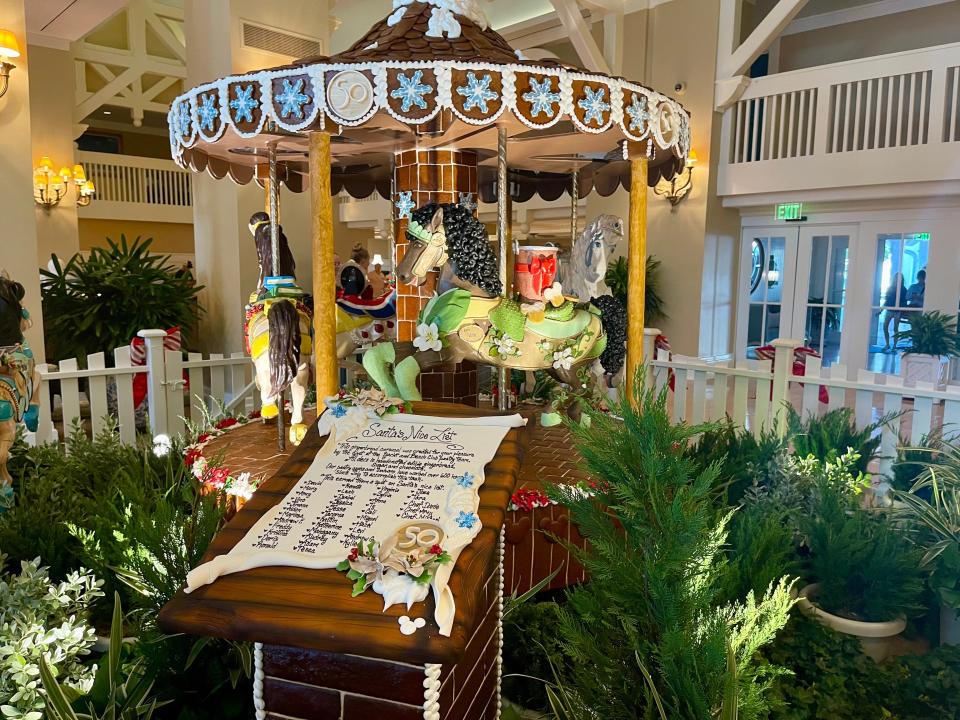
(411, 91)
(594, 104)
(466, 520)
(183, 119)
(465, 480)
(541, 98)
(466, 200)
(244, 103)
(477, 92)
(207, 111)
(405, 205)
(338, 410)
(638, 112)
(292, 99)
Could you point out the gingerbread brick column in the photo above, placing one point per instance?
(422, 177)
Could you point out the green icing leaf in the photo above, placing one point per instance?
(359, 586)
(508, 320)
(447, 310)
(562, 313)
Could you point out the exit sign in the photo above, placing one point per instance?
(789, 211)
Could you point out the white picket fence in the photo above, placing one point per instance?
(86, 394)
(756, 396)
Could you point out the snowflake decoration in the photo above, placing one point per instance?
(405, 205)
(638, 112)
(183, 119)
(465, 480)
(207, 111)
(594, 104)
(244, 103)
(541, 97)
(467, 201)
(338, 411)
(292, 99)
(466, 520)
(477, 92)
(411, 91)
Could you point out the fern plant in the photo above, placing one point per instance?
(866, 567)
(654, 556)
(98, 303)
(931, 333)
(616, 279)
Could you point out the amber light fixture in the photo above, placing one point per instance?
(679, 187)
(50, 187)
(9, 49)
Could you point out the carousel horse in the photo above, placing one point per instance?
(468, 320)
(589, 258)
(19, 379)
(277, 330)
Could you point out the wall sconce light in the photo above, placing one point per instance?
(49, 188)
(9, 49)
(679, 187)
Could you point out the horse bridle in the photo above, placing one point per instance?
(436, 241)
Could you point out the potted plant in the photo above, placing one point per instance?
(867, 574)
(932, 507)
(932, 340)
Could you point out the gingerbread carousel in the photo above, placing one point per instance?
(433, 110)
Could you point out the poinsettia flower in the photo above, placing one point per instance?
(376, 400)
(428, 337)
(563, 359)
(226, 423)
(199, 468)
(241, 486)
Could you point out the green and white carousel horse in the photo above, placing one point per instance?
(278, 330)
(19, 379)
(469, 320)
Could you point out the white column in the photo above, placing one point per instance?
(19, 257)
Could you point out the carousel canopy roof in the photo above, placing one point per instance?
(431, 76)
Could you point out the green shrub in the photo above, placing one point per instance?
(645, 629)
(912, 460)
(654, 307)
(762, 549)
(98, 303)
(833, 434)
(744, 460)
(531, 647)
(42, 618)
(866, 567)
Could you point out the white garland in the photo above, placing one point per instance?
(431, 692)
(677, 137)
(259, 705)
(503, 554)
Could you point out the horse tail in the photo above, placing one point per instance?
(613, 318)
(284, 342)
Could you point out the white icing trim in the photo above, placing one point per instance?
(259, 704)
(441, 96)
(431, 692)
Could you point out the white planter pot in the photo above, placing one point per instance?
(949, 626)
(916, 368)
(875, 637)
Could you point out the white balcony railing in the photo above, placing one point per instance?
(886, 120)
(137, 188)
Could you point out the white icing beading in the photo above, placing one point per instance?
(503, 551)
(431, 694)
(258, 703)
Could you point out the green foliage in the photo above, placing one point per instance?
(932, 509)
(98, 303)
(931, 333)
(867, 569)
(42, 618)
(743, 460)
(531, 647)
(120, 691)
(654, 305)
(833, 434)
(913, 459)
(645, 630)
(830, 678)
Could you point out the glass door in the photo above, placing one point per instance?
(823, 266)
(768, 275)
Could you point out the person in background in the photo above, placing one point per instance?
(917, 291)
(894, 299)
(377, 280)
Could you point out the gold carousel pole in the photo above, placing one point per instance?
(503, 222)
(273, 202)
(324, 284)
(636, 266)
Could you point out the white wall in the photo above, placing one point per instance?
(18, 248)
